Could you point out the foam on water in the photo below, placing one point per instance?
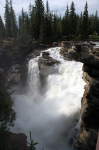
(51, 116)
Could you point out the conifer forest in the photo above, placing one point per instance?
(42, 24)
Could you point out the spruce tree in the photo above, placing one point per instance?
(85, 25)
(55, 28)
(2, 29)
(79, 25)
(72, 19)
(13, 21)
(7, 20)
(39, 14)
(65, 23)
(32, 25)
(47, 24)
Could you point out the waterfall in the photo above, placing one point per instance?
(52, 117)
(33, 76)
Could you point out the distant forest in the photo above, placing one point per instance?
(43, 25)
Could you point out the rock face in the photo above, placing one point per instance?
(74, 51)
(46, 66)
(18, 141)
(90, 102)
(89, 127)
(14, 60)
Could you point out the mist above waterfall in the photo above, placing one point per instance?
(53, 115)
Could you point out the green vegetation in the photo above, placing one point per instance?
(31, 143)
(43, 25)
(7, 114)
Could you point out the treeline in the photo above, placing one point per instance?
(42, 24)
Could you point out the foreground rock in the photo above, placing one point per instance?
(17, 141)
(89, 127)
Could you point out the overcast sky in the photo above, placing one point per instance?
(58, 6)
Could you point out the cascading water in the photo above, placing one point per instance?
(52, 116)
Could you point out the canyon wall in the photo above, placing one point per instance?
(86, 53)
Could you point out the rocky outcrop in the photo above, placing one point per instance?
(89, 127)
(90, 102)
(46, 66)
(14, 59)
(75, 51)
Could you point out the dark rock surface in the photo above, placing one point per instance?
(17, 141)
(89, 127)
(46, 64)
(14, 60)
(75, 51)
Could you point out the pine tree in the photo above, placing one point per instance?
(47, 24)
(79, 25)
(13, 21)
(65, 23)
(55, 28)
(2, 29)
(7, 20)
(85, 25)
(39, 14)
(32, 25)
(72, 19)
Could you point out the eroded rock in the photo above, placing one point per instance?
(86, 53)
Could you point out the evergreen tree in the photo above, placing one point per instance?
(24, 26)
(7, 20)
(55, 28)
(59, 29)
(79, 25)
(2, 29)
(13, 21)
(85, 25)
(46, 28)
(39, 14)
(65, 23)
(32, 25)
(72, 19)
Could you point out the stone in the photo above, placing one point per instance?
(18, 141)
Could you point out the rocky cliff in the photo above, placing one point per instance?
(14, 60)
(86, 53)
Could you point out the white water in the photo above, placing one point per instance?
(51, 116)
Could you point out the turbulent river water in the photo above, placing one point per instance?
(54, 115)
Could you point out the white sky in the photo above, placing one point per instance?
(58, 6)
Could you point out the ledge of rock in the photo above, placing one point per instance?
(46, 67)
(46, 64)
(75, 51)
(86, 53)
